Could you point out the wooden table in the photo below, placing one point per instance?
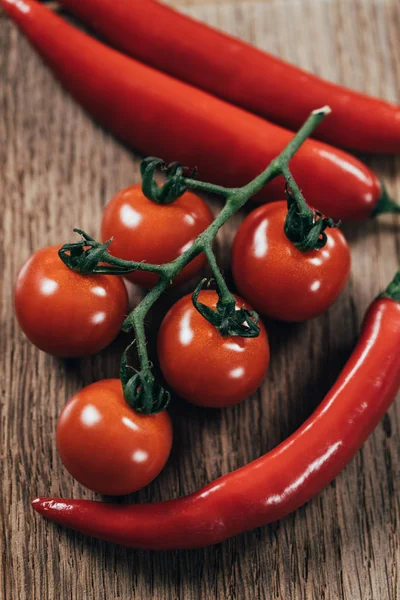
(57, 171)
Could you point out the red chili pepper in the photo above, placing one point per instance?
(164, 117)
(240, 73)
(281, 480)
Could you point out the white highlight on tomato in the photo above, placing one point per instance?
(234, 346)
(48, 286)
(90, 415)
(330, 242)
(260, 239)
(98, 317)
(186, 333)
(186, 247)
(314, 287)
(129, 423)
(315, 261)
(190, 219)
(129, 216)
(99, 291)
(140, 456)
(237, 373)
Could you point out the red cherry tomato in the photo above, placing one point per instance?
(279, 280)
(156, 233)
(202, 366)
(107, 446)
(64, 313)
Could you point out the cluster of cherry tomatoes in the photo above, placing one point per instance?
(67, 314)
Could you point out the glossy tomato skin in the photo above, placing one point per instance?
(279, 280)
(64, 313)
(107, 446)
(146, 231)
(202, 366)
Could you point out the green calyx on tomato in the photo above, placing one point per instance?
(172, 189)
(228, 318)
(304, 227)
(84, 256)
(141, 391)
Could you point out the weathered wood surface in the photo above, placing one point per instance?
(57, 171)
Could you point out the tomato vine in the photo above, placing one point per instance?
(88, 256)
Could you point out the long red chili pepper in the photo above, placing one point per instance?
(281, 480)
(240, 73)
(164, 117)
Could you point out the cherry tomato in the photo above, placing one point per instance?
(156, 233)
(202, 366)
(64, 313)
(279, 280)
(107, 446)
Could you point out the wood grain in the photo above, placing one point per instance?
(57, 171)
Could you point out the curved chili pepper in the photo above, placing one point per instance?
(281, 480)
(240, 73)
(164, 117)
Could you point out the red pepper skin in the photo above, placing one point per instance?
(164, 117)
(240, 73)
(278, 482)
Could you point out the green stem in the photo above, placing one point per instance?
(241, 322)
(301, 205)
(225, 295)
(304, 132)
(386, 204)
(135, 320)
(208, 188)
(144, 395)
(236, 198)
(393, 289)
(303, 227)
(277, 166)
(128, 266)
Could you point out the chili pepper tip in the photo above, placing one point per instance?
(42, 505)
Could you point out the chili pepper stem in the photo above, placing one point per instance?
(393, 289)
(386, 204)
